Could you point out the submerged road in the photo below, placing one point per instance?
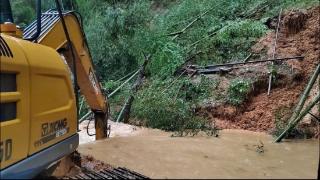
(235, 154)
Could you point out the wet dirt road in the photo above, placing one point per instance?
(233, 155)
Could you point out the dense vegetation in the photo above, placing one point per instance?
(174, 32)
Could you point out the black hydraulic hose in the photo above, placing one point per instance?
(88, 128)
(37, 34)
(76, 87)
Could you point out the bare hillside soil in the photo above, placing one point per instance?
(298, 36)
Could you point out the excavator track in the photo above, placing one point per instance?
(117, 173)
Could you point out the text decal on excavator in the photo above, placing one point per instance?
(93, 81)
(5, 150)
(52, 130)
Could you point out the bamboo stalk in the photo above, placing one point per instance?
(126, 76)
(305, 94)
(118, 88)
(293, 123)
(247, 58)
(176, 34)
(121, 112)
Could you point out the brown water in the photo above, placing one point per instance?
(235, 154)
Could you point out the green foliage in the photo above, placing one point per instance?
(234, 36)
(168, 105)
(111, 30)
(167, 60)
(23, 12)
(238, 91)
(159, 110)
(120, 31)
(195, 92)
(111, 85)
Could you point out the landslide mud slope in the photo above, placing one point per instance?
(299, 35)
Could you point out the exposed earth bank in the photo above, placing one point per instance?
(298, 36)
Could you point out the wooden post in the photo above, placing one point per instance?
(274, 51)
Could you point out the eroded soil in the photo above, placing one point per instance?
(298, 36)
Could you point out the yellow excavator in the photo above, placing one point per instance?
(42, 71)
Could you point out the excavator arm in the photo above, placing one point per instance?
(53, 35)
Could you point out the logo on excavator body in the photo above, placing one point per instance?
(52, 130)
(5, 150)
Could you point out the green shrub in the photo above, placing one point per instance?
(161, 111)
(195, 92)
(166, 60)
(111, 29)
(165, 105)
(238, 91)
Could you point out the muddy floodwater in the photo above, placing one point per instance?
(234, 154)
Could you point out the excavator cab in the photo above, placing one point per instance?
(38, 98)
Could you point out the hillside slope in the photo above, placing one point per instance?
(298, 36)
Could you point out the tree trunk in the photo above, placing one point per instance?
(125, 112)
